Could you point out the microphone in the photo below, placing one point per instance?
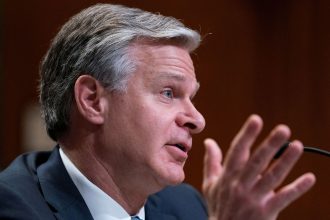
(306, 149)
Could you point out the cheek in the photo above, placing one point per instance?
(147, 123)
(151, 118)
(151, 133)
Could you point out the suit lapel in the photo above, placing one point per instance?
(59, 190)
(153, 214)
(65, 200)
(153, 210)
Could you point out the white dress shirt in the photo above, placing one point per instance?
(100, 204)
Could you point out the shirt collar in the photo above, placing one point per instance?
(100, 204)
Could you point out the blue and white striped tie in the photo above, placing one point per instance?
(135, 218)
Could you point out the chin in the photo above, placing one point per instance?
(162, 181)
(176, 181)
(174, 177)
(168, 174)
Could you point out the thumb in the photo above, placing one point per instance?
(212, 162)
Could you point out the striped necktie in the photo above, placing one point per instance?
(135, 218)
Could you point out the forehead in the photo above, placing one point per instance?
(168, 61)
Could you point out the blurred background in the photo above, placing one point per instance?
(270, 57)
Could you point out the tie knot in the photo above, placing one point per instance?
(135, 218)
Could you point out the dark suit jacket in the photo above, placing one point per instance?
(37, 186)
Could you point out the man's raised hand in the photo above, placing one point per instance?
(245, 185)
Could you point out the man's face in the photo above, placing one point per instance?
(148, 130)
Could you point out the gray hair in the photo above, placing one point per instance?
(96, 42)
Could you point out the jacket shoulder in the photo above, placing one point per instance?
(20, 193)
(182, 201)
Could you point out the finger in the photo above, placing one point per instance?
(279, 170)
(239, 150)
(264, 155)
(212, 162)
(291, 192)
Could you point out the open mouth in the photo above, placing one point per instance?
(181, 147)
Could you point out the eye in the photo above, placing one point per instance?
(168, 93)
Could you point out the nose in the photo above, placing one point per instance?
(191, 119)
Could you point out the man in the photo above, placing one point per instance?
(116, 90)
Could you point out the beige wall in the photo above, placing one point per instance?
(265, 57)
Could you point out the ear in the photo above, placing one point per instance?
(90, 100)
